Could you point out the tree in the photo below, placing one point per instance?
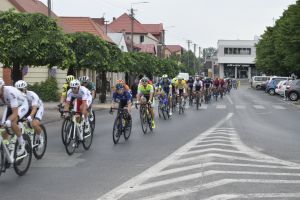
(33, 40)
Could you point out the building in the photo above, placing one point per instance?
(173, 50)
(236, 58)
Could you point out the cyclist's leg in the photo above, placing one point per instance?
(37, 119)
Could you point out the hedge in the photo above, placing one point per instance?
(47, 90)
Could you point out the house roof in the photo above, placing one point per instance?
(123, 23)
(31, 6)
(174, 48)
(154, 29)
(147, 48)
(82, 24)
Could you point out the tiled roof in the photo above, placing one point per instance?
(82, 24)
(31, 6)
(174, 48)
(147, 48)
(154, 29)
(123, 23)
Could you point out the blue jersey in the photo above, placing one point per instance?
(165, 85)
(207, 83)
(124, 98)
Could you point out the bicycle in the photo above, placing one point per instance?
(174, 102)
(8, 154)
(163, 107)
(37, 149)
(191, 97)
(216, 93)
(145, 116)
(221, 92)
(72, 131)
(181, 105)
(122, 125)
(207, 96)
(67, 119)
(198, 101)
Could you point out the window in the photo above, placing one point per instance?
(230, 51)
(235, 51)
(225, 50)
(142, 39)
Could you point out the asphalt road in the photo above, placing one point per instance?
(244, 146)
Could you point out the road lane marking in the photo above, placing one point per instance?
(240, 107)
(229, 99)
(197, 188)
(256, 195)
(221, 107)
(278, 107)
(259, 107)
(126, 187)
(203, 107)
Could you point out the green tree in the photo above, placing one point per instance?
(32, 39)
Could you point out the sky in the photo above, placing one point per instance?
(204, 22)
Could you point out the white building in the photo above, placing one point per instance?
(236, 58)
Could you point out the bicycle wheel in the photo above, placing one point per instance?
(149, 120)
(88, 138)
(39, 150)
(117, 129)
(144, 121)
(163, 111)
(127, 128)
(63, 129)
(22, 163)
(92, 119)
(1, 159)
(70, 138)
(197, 103)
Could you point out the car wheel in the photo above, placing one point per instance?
(293, 96)
(258, 87)
(271, 91)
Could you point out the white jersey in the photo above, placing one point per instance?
(198, 84)
(13, 97)
(33, 99)
(83, 94)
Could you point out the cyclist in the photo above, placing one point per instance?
(165, 86)
(124, 97)
(190, 84)
(36, 109)
(222, 86)
(198, 86)
(180, 86)
(146, 90)
(85, 81)
(83, 101)
(15, 109)
(216, 85)
(65, 88)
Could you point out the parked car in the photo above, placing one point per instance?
(271, 85)
(256, 81)
(264, 84)
(293, 90)
(281, 87)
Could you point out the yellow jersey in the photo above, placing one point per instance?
(181, 85)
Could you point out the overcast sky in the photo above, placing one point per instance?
(202, 21)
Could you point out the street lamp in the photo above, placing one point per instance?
(132, 18)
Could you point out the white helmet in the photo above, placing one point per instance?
(2, 83)
(84, 79)
(21, 84)
(74, 83)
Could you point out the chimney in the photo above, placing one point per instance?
(114, 18)
(100, 21)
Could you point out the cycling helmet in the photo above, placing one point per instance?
(144, 80)
(165, 76)
(119, 86)
(70, 78)
(174, 80)
(84, 79)
(20, 84)
(75, 83)
(2, 83)
(121, 81)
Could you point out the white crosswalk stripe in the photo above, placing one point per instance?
(221, 107)
(279, 107)
(259, 107)
(240, 107)
(215, 159)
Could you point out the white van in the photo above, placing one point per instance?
(257, 81)
(185, 76)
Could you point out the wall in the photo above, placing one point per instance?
(5, 5)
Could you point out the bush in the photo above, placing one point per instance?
(47, 90)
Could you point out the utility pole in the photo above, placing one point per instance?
(199, 53)
(195, 57)
(132, 19)
(105, 22)
(189, 42)
(49, 8)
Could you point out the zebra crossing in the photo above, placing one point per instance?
(216, 165)
(244, 106)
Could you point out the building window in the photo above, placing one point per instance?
(142, 39)
(225, 50)
(237, 51)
